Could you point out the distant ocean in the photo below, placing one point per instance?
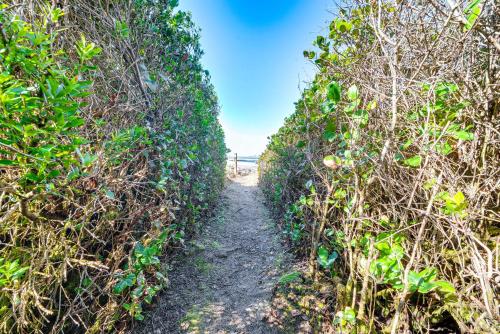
(243, 161)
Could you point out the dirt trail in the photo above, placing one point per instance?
(224, 282)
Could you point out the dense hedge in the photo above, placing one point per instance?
(110, 152)
(386, 175)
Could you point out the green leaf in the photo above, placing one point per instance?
(332, 161)
(73, 174)
(74, 122)
(350, 315)
(86, 282)
(343, 26)
(430, 183)
(183, 164)
(455, 204)
(334, 92)
(300, 144)
(289, 278)
(353, 93)
(361, 116)
(55, 14)
(340, 193)
(18, 273)
(124, 283)
(320, 41)
(459, 198)
(325, 259)
(5, 162)
(310, 54)
(330, 132)
(463, 135)
(414, 161)
(426, 287)
(429, 274)
(372, 105)
(414, 281)
(444, 148)
(472, 11)
(88, 159)
(323, 254)
(122, 29)
(424, 281)
(445, 287)
(110, 194)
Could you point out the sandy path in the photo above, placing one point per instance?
(224, 282)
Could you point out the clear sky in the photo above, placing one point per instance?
(253, 50)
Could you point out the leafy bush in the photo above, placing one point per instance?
(110, 153)
(392, 156)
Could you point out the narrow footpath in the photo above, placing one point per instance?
(224, 281)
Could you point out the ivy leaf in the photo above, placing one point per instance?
(124, 283)
(414, 161)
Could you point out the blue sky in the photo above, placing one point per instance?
(253, 50)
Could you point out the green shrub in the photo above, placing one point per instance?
(385, 153)
(110, 153)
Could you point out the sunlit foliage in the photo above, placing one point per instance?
(385, 176)
(110, 153)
